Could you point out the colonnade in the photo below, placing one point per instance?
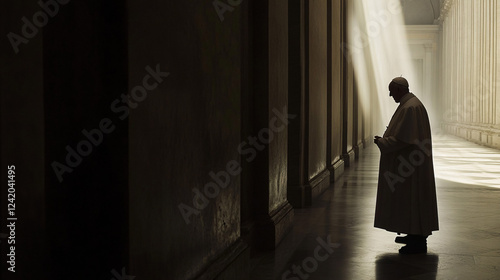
(470, 74)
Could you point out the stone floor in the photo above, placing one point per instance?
(467, 246)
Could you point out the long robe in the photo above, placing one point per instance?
(406, 194)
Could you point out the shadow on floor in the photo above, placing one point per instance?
(395, 266)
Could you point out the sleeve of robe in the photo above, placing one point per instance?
(404, 130)
(390, 144)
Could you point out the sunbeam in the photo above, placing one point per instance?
(379, 51)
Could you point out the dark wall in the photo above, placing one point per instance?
(297, 103)
(68, 69)
(317, 86)
(349, 110)
(247, 116)
(349, 121)
(335, 113)
(130, 125)
(186, 128)
(84, 71)
(273, 213)
(336, 80)
(278, 101)
(22, 142)
(321, 94)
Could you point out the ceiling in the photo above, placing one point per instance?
(418, 12)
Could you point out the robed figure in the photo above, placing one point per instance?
(406, 194)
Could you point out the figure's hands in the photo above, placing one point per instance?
(375, 140)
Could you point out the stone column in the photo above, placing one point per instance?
(348, 153)
(274, 214)
(496, 86)
(470, 69)
(335, 163)
(429, 72)
(316, 81)
(297, 100)
(309, 175)
(185, 140)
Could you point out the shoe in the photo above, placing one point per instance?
(412, 239)
(413, 249)
(402, 239)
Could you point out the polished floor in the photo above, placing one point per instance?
(467, 246)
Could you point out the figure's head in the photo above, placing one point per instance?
(398, 88)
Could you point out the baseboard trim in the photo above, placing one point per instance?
(486, 136)
(358, 150)
(248, 229)
(233, 263)
(296, 195)
(302, 196)
(349, 158)
(336, 170)
(317, 186)
(272, 228)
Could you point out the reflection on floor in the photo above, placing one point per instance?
(467, 246)
(472, 164)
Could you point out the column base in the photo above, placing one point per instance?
(317, 186)
(297, 195)
(272, 228)
(336, 170)
(349, 158)
(358, 150)
(487, 136)
(233, 263)
(302, 196)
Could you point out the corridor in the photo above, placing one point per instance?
(467, 246)
(199, 140)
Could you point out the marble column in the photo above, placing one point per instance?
(318, 175)
(470, 70)
(308, 97)
(184, 141)
(348, 142)
(335, 163)
(273, 213)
